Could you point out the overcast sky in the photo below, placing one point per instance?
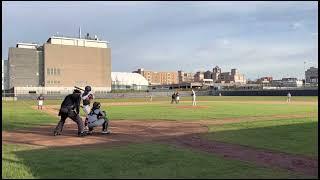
(258, 38)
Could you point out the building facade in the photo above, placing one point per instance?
(287, 82)
(208, 75)
(59, 65)
(25, 65)
(264, 80)
(199, 76)
(233, 77)
(224, 77)
(236, 77)
(158, 78)
(5, 80)
(185, 77)
(216, 75)
(216, 71)
(311, 75)
(64, 62)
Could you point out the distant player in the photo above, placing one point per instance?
(173, 98)
(220, 94)
(289, 97)
(96, 118)
(86, 97)
(194, 103)
(40, 101)
(177, 97)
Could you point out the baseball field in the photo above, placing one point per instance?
(221, 137)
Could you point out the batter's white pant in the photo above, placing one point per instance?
(86, 109)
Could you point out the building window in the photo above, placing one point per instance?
(54, 71)
(48, 71)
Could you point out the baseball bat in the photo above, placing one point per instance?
(78, 88)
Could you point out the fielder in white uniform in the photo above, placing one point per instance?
(40, 101)
(194, 103)
(289, 97)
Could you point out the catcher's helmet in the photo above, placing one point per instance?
(87, 88)
(96, 105)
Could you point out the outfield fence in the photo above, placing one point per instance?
(268, 92)
(12, 96)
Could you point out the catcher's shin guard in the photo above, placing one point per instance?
(86, 122)
(105, 126)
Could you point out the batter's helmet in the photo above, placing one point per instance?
(87, 88)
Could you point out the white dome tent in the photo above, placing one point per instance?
(125, 81)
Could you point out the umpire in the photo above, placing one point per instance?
(70, 108)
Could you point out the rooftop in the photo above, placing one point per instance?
(72, 41)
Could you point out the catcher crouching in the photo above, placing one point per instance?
(96, 118)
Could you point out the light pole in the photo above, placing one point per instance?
(304, 71)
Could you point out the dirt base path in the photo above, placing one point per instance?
(178, 133)
(269, 158)
(123, 132)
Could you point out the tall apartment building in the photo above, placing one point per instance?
(208, 75)
(159, 78)
(228, 77)
(59, 65)
(312, 75)
(224, 77)
(199, 76)
(185, 77)
(216, 75)
(216, 71)
(236, 77)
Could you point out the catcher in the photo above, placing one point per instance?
(96, 118)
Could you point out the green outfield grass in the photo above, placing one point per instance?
(19, 114)
(295, 136)
(214, 110)
(132, 161)
(199, 98)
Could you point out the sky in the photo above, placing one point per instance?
(257, 38)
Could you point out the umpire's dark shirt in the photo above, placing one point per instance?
(72, 101)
